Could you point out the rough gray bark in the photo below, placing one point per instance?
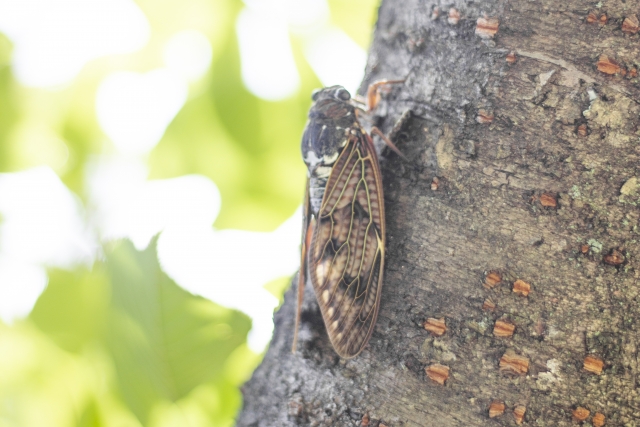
(538, 169)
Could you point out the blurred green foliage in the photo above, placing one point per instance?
(121, 344)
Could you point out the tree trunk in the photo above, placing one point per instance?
(518, 207)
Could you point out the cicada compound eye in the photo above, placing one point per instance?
(315, 94)
(343, 94)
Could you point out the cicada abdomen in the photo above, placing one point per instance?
(344, 227)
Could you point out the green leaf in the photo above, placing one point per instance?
(248, 146)
(36, 373)
(278, 286)
(165, 341)
(73, 308)
(90, 416)
(356, 18)
(8, 104)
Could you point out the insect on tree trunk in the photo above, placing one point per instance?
(511, 291)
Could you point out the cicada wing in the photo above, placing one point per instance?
(307, 229)
(346, 255)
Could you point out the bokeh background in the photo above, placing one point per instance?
(150, 184)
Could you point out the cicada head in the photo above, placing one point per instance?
(331, 117)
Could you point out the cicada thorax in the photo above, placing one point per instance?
(345, 258)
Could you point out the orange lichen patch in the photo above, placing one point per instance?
(435, 183)
(630, 25)
(488, 305)
(593, 364)
(454, 16)
(521, 287)
(511, 57)
(518, 413)
(607, 65)
(484, 116)
(598, 420)
(486, 28)
(438, 373)
(365, 421)
(437, 327)
(496, 408)
(582, 130)
(592, 17)
(615, 257)
(548, 200)
(492, 279)
(514, 364)
(503, 329)
(580, 413)
(603, 19)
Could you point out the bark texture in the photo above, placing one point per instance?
(532, 134)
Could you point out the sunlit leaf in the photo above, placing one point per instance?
(35, 373)
(356, 18)
(90, 417)
(164, 341)
(73, 308)
(248, 146)
(278, 286)
(8, 103)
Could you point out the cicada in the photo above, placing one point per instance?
(343, 239)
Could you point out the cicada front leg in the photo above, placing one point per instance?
(369, 102)
(373, 92)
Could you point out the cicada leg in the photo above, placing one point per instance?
(370, 101)
(373, 92)
(388, 142)
(308, 225)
